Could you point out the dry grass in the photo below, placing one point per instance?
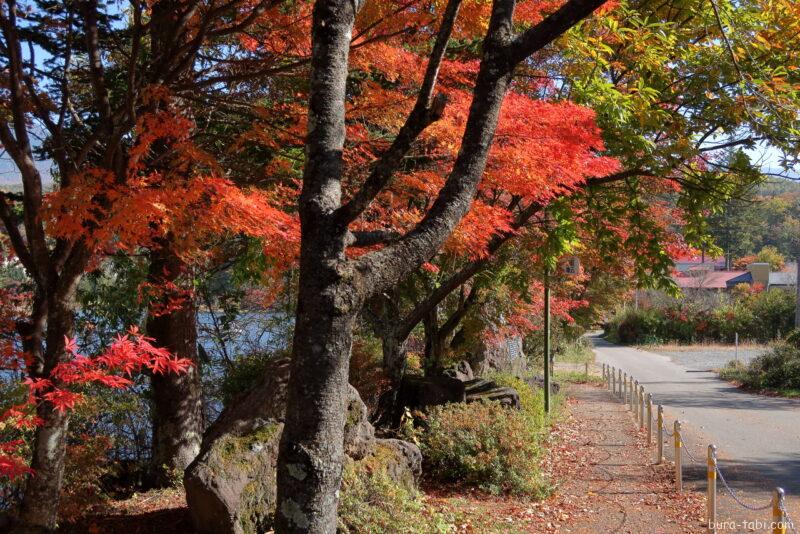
(700, 347)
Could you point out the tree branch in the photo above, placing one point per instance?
(17, 241)
(552, 27)
(373, 237)
(426, 111)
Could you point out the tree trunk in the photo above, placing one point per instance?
(332, 288)
(39, 509)
(434, 343)
(388, 328)
(177, 415)
(311, 450)
(394, 357)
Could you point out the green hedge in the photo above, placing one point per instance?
(761, 316)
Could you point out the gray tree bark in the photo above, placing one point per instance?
(39, 507)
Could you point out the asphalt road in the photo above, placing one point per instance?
(757, 437)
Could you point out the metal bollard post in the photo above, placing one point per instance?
(660, 421)
(625, 388)
(630, 393)
(586, 369)
(613, 381)
(641, 407)
(678, 458)
(635, 400)
(711, 489)
(605, 381)
(778, 517)
(649, 419)
(619, 381)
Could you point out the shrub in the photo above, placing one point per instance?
(634, 326)
(372, 502)
(531, 402)
(778, 369)
(755, 315)
(484, 445)
(85, 466)
(773, 314)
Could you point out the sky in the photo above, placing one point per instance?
(767, 157)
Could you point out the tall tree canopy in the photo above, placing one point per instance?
(399, 156)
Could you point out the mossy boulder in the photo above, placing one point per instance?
(231, 486)
(379, 492)
(400, 460)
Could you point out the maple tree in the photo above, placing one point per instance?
(332, 287)
(127, 355)
(110, 129)
(654, 111)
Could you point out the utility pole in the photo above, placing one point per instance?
(797, 289)
(547, 340)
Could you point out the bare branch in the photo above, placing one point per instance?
(89, 11)
(552, 27)
(17, 241)
(426, 111)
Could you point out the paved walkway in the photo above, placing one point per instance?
(612, 484)
(757, 437)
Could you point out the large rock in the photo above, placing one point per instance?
(461, 371)
(231, 486)
(507, 356)
(401, 460)
(359, 434)
(421, 391)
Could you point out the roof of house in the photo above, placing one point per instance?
(782, 278)
(713, 279)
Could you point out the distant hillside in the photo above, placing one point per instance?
(11, 188)
(777, 187)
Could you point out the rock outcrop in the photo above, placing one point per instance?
(231, 486)
(483, 389)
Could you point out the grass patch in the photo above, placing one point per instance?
(577, 377)
(372, 502)
(579, 351)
